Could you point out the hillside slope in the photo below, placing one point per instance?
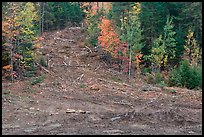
(81, 95)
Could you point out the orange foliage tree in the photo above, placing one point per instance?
(9, 34)
(109, 40)
(17, 26)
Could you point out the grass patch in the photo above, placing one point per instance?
(186, 75)
(6, 92)
(171, 91)
(30, 73)
(116, 79)
(28, 89)
(161, 84)
(82, 85)
(37, 80)
(43, 62)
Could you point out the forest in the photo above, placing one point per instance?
(67, 45)
(156, 39)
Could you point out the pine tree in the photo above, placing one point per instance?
(158, 54)
(133, 35)
(120, 13)
(169, 41)
(164, 48)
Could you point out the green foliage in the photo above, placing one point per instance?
(175, 78)
(5, 57)
(118, 12)
(116, 79)
(147, 31)
(25, 50)
(37, 80)
(146, 70)
(127, 24)
(162, 84)
(185, 14)
(43, 62)
(158, 78)
(27, 61)
(169, 41)
(26, 18)
(93, 31)
(190, 16)
(19, 34)
(171, 91)
(186, 75)
(28, 89)
(155, 78)
(82, 85)
(199, 75)
(150, 79)
(158, 55)
(30, 73)
(59, 14)
(153, 19)
(163, 51)
(133, 34)
(6, 92)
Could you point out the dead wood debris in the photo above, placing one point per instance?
(44, 69)
(123, 84)
(89, 49)
(80, 77)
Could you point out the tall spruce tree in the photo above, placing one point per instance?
(132, 33)
(164, 49)
(169, 41)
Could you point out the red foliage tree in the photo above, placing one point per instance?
(109, 40)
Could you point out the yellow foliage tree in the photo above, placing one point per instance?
(192, 51)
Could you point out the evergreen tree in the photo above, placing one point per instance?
(120, 11)
(163, 51)
(158, 54)
(169, 41)
(59, 14)
(133, 33)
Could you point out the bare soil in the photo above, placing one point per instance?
(81, 95)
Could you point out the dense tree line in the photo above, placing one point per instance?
(141, 37)
(23, 24)
(157, 35)
(153, 17)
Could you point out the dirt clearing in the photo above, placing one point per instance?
(81, 95)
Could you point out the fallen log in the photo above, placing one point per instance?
(44, 69)
(73, 65)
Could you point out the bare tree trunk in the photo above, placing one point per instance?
(130, 62)
(120, 60)
(97, 6)
(11, 44)
(11, 61)
(42, 17)
(11, 53)
(40, 21)
(130, 51)
(123, 22)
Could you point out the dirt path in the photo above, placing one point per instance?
(81, 95)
